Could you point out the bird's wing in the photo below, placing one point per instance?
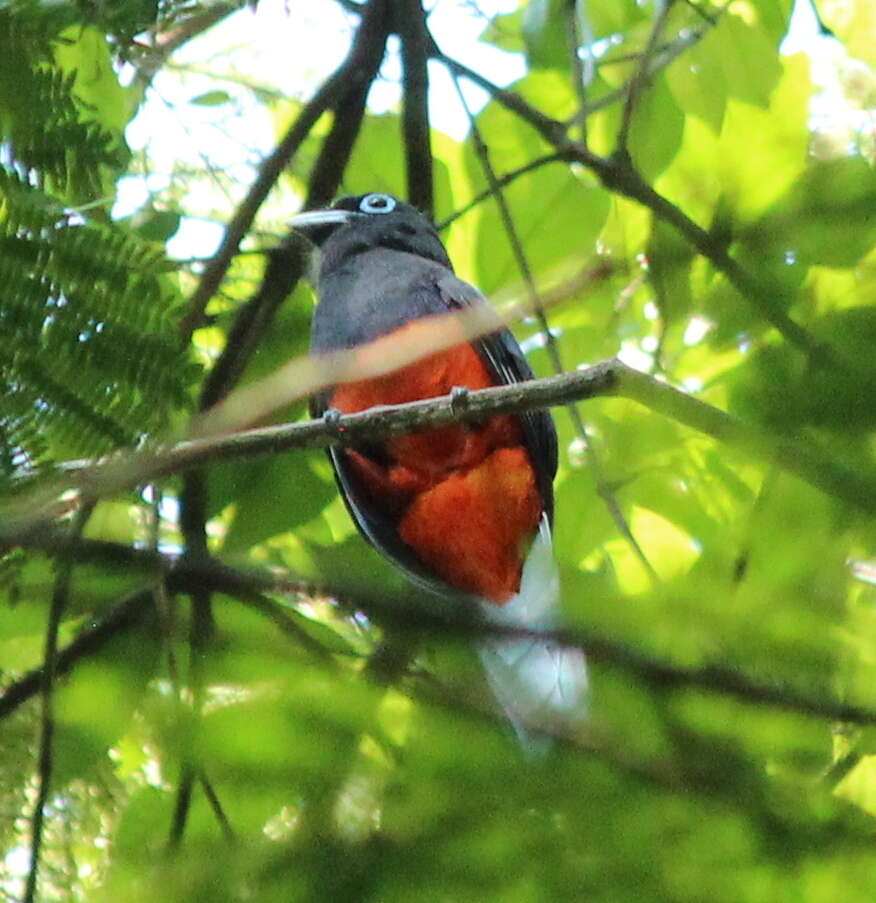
(505, 360)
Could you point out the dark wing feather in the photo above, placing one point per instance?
(381, 529)
(505, 360)
(378, 526)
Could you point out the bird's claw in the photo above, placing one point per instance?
(332, 419)
(459, 398)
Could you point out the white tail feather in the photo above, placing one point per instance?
(538, 683)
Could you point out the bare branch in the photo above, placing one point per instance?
(803, 459)
(415, 39)
(371, 30)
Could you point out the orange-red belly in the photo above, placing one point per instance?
(466, 496)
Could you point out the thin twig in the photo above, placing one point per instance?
(45, 757)
(501, 182)
(641, 75)
(216, 806)
(331, 90)
(581, 77)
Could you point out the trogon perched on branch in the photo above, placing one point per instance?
(464, 510)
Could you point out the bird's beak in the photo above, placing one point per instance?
(311, 218)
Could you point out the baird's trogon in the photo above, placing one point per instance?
(464, 510)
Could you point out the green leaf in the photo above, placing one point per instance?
(854, 23)
(91, 351)
(157, 225)
(825, 218)
(272, 496)
(776, 388)
(774, 17)
(505, 32)
(656, 129)
(93, 708)
(556, 218)
(610, 17)
(669, 264)
(698, 81)
(544, 34)
(755, 141)
(211, 99)
(85, 52)
(751, 64)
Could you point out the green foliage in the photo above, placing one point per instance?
(90, 356)
(90, 359)
(42, 114)
(349, 743)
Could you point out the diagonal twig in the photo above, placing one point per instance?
(501, 182)
(329, 93)
(637, 83)
(617, 173)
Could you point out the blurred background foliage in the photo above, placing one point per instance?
(728, 606)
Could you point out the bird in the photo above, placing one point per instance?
(464, 510)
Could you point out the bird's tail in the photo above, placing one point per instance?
(541, 685)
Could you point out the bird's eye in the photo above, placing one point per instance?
(377, 203)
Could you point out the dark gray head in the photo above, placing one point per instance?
(362, 222)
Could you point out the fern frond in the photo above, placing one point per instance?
(90, 355)
(48, 134)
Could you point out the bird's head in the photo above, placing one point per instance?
(359, 223)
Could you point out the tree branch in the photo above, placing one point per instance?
(637, 83)
(618, 174)
(166, 43)
(411, 22)
(413, 612)
(329, 93)
(369, 47)
(813, 465)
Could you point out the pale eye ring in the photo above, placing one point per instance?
(377, 203)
